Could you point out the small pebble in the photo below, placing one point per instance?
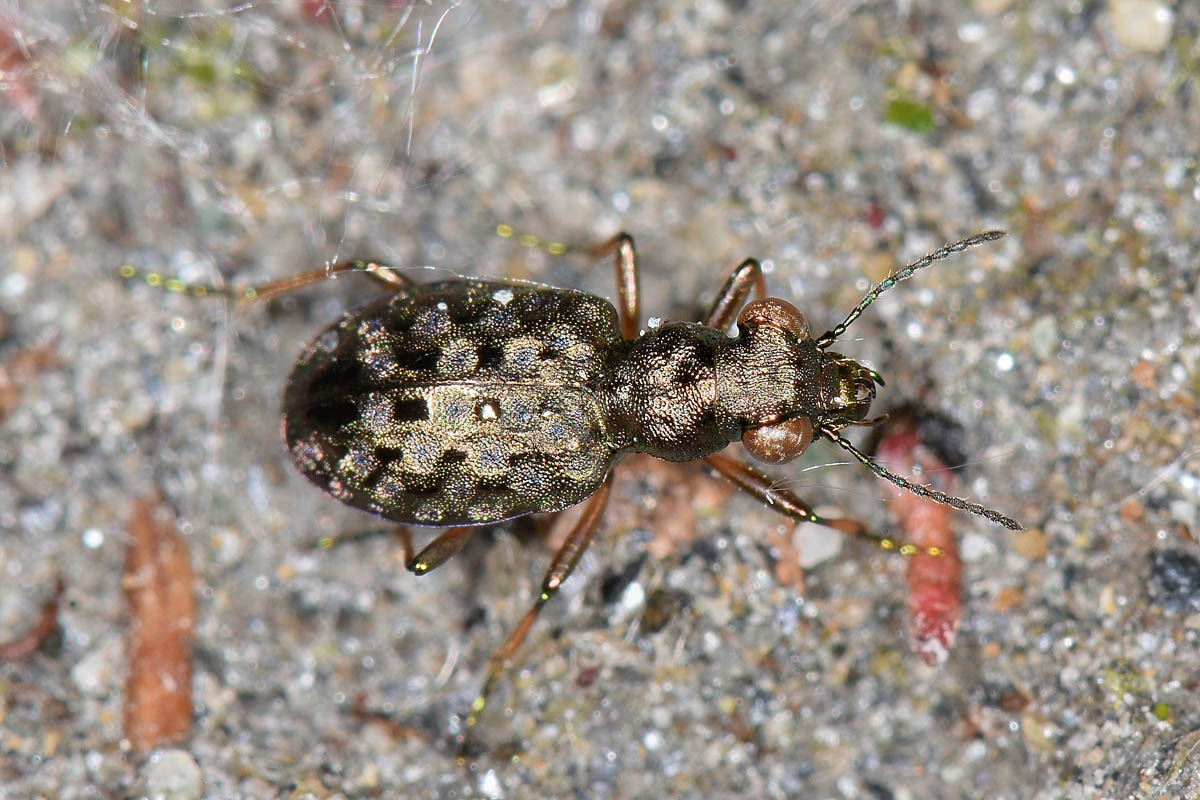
(1143, 374)
(1043, 338)
(1132, 510)
(815, 543)
(1175, 580)
(95, 674)
(1039, 733)
(1030, 544)
(490, 786)
(1143, 25)
(173, 775)
(1007, 599)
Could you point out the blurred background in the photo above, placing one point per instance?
(229, 144)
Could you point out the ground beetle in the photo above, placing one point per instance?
(466, 402)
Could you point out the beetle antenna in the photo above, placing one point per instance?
(829, 337)
(923, 490)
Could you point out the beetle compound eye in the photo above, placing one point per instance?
(776, 312)
(779, 442)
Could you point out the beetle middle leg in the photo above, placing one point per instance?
(746, 278)
(626, 268)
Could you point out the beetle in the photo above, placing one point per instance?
(466, 402)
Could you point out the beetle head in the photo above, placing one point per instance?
(853, 388)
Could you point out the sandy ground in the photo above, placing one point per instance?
(832, 140)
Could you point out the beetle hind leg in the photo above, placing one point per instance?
(386, 275)
(560, 568)
(439, 550)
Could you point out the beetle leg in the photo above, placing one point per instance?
(440, 549)
(625, 265)
(380, 272)
(560, 568)
(766, 489)
(746, 278)
(337, 540)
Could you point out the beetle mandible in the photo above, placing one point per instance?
(466, 402)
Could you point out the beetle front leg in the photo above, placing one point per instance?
(747, 277)
(766, 489)
(560, 568)
(762, 486)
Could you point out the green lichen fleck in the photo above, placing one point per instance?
(909, 114)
